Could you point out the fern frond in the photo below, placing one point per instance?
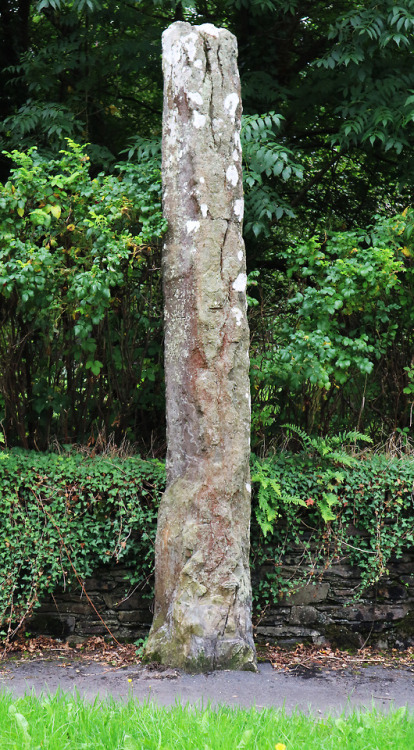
(306, 439)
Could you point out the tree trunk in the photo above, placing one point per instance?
(202, 618)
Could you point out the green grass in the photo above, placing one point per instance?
(59, 722)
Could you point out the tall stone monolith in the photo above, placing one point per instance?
(202, 617)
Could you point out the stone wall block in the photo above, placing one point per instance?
(309, 594)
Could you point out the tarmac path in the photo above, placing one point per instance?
(317, 690)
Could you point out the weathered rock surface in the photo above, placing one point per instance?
(202, 616)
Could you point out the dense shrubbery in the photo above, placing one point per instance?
(337, 352)
(81, 310)
(328, 154)
(80, 300)
(63, 515)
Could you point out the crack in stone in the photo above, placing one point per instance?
(222, 633)
(222, 246)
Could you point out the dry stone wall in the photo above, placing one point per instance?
(326, 610)
(319, 612)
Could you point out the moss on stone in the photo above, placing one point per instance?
(406, 625)
(205, 657)
(342, 637)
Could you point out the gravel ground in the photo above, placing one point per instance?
(316, 690)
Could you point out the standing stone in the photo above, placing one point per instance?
(202, 618)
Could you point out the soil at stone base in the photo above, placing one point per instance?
(307, 679)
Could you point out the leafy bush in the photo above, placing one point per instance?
(80, 343)
(338, 351)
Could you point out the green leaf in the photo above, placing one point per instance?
(56, 211)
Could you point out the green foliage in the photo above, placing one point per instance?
(345, 322)
(361, 513)
(409, 389)
(140, 643)
(269, 496)
(341, 280)
(265, 157)
(329, 246)
(328, 101)
(370, 43)
(77, 301)
(83, 69)
(332, 447)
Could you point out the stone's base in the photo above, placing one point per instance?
(202, 611)
(197, 654)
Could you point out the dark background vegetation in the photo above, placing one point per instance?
(328, 162)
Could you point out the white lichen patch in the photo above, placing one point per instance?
(232, 175)
(230, 104)
(199, 120)
(240, 255)
(217, 124)
(189, 44)
(248, 487)
(240, 284)
(204, 209)
(236, 155)
(172, 129)
(238, 314)
(195, 97)
(198, 63)
(192, 226)
(202, 180)
(237, 141)
(239, 208)
(171, 52)
(210, 29)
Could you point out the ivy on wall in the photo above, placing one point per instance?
(325, 511)
(63, 515)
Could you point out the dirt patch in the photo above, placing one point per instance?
(313, 657)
